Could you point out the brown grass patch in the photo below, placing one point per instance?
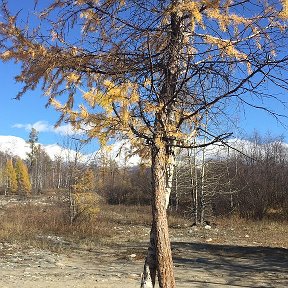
(47, 225)
(39, 225)
(264, 233)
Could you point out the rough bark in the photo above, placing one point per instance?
(162, 242)
(159, 256)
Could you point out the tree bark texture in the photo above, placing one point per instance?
(159, 258)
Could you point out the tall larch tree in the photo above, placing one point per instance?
(23, 179)
(10, 177)
(32, 156)
(150, 71)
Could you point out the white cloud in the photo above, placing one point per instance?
(44, 126)
(40, 126)
(66, 130)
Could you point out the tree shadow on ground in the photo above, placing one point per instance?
(213, 265)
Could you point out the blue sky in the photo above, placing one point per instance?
(18, 117)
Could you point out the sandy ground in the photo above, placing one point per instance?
(196, 265)
(220, 256)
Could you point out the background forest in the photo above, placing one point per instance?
(249, 181)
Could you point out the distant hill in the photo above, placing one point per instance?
(16, 146)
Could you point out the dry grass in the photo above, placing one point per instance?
(23, 222)
(33, 224)
(264, 233)
(47, 226)
(126, 215)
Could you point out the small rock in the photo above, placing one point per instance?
(208, 227)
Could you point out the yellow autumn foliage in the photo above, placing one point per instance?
(137, 83)
(23, 179)
(226, 47)
(73, 78)
(284, 13)
(86, 204)
(10, 177)
(85, 199)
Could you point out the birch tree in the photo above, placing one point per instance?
(148, 71)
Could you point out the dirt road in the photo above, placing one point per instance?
(196, 265)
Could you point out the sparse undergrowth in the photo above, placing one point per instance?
(267, 232)
(44, 223)
(38, 222)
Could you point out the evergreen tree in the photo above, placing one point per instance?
(23, 179)
(33, 138)
(10, 177)
(32, 156)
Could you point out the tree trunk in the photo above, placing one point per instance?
(203, 187)
(159, 258)
(148, 278)
(163, 163)
(176, 193)
(193, 185)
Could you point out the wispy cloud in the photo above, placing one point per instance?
(44, 126)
